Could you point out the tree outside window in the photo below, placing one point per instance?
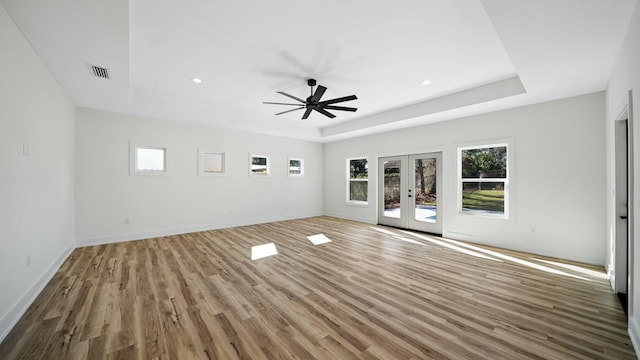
(484, 180)
(358, 181)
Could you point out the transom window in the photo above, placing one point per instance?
(148, 159)
(259, 165)
(211, 162)
(296, 167)
(483, 180)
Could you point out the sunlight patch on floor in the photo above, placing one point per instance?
(496, 254)
(439, 241)
(453, 247)
(318, 239)
(384, 231)
(599, 274)
(397, 236)
(405, 239)
(262, 251)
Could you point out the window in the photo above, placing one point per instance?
(296, 167)
(147, 159)
(358, 180)
(483, 176)
(211, 162)
(259, 165)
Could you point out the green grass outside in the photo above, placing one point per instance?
(491, 200)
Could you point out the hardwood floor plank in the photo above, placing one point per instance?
(371, 293)
(244, 346)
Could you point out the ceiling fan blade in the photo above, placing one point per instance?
(318, 94)
(291, 96)
(324, 112)
(279, 103)
(337, 100)
(284, 112)
(343, 108)
(306, 113)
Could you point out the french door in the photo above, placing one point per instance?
(409, 192)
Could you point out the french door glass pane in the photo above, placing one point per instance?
(425, 190)
(392, 188)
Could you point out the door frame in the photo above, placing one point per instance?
(626, 112)
(621, 222)
(407, 192)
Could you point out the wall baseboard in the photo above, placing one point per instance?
(349, 217)
(11, 317)
(634, 335)
(612, 277)
(110, 239)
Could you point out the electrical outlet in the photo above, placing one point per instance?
(28, 259)
(127, 221)
(26, 151)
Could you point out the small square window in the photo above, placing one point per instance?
(211, 162)
(296, 167)
(147, 159)
(259, 165)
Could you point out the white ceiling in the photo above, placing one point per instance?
(480, 55)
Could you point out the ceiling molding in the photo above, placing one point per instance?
(476, 95)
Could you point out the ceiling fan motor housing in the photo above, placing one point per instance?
(311, 82)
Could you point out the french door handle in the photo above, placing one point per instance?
(622, 217)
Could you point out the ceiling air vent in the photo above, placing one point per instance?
(99, 71)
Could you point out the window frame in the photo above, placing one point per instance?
(507, 181)
(133, 158)
(349, 180)
(259, 155)
(301, 167)
(205, 151)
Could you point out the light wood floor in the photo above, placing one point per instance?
(372, 293)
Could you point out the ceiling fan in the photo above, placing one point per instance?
(313, 102)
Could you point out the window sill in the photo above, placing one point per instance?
(149, 173)
(357, 204)
(482, 216)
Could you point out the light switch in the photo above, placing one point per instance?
(25, 149)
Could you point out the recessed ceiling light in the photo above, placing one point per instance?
(426, 82)
(196, 80)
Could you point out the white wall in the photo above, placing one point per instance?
(182, 202)
(36, 191)
(625, 77)
(557, 185)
